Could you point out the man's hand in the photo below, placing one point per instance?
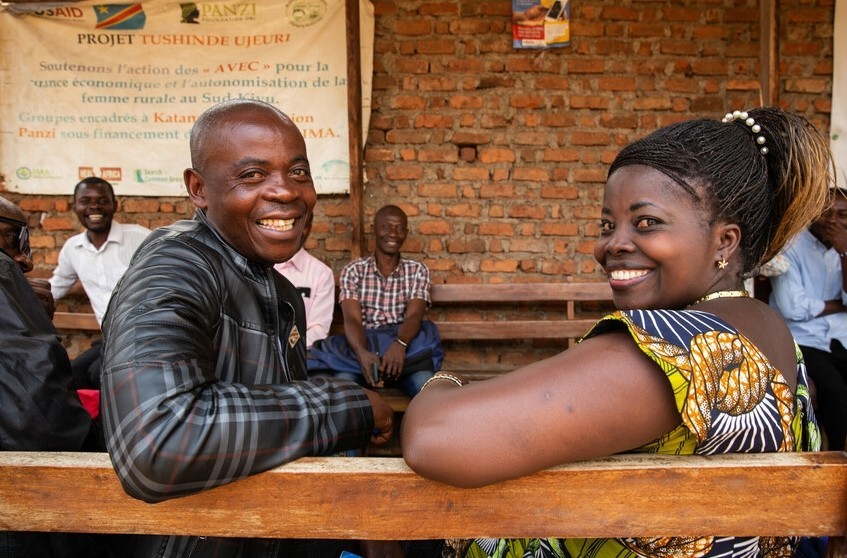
(45, 296)
(392, 361)
(370, 365)
(836, 235)
(383, 419)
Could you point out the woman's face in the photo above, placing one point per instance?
(655, 244)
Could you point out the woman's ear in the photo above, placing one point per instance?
(728, 237)
(196, 187)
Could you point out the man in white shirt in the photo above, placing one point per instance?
(316, 283)
(97, 258)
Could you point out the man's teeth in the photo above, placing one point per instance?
(95, 218)
(624, 274)
(277, 224)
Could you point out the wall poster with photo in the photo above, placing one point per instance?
(541, 23)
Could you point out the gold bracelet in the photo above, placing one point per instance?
(442, 376)
(403, 343)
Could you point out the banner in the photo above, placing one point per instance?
(838, 122)
(112, 90)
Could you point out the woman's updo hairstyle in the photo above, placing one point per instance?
(772, 193)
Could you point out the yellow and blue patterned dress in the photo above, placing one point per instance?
(732, 400)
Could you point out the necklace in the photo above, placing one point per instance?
(720, 294)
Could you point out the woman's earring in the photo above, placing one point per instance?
(722, 263)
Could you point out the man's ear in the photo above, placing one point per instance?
(196, 187)
(117, 205)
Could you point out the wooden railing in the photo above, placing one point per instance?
(632, 495)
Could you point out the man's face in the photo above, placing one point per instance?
(391, 229)
(255, 185)
(95, 207)
(832, 222)
(13, 236)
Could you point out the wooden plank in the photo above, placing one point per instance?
(75, 321)
(520, 292)
(633, 495)
(515, 329)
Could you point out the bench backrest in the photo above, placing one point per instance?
(627, 495)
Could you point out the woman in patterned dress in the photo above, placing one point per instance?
(689, 364)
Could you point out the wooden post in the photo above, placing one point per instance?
(769, 54)
(354, 128)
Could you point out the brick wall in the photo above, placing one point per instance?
(499, 155)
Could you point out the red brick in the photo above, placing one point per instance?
(526, 211)
(60, 223)
(434, 227)
(494, 228)
(498, 266)
(489, 155)
(531, 174)
(470, 173)
(464, 210)
(437, 190)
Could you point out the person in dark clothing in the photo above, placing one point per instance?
(204, 367)
(39, 409)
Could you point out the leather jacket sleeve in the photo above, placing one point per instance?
(39, 409)
(193, 393)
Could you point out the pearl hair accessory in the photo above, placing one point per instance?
(748, 120)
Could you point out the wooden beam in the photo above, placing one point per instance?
(380, 498)
(769, 52)
(76, 321)
(354, 128)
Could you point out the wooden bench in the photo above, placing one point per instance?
(627, 495)
(487, 329)
(491, 329)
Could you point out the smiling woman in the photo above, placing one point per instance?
(689, 364)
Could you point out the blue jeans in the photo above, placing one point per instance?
(410, 384)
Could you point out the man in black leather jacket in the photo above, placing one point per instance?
(39, 409)
(204, 376)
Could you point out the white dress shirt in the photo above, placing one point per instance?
(97, 270)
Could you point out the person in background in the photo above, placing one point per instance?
(688, 364)
(384, 298)
(811, 296)
(96, 259)
(316, 283)
(204, 368)
(39, 409)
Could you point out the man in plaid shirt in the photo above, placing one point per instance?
(204, 371)
(387, 291)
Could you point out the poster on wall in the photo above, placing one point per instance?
(838, 122)
(112, 90)
(541, 23)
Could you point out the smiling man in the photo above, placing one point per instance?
(99, 256)
(204, 369)
(384, 298)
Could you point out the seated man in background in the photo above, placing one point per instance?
(39, 410)
(314, 280)
(384, 298)
(96, 258)
(811, 295)
(204, 367)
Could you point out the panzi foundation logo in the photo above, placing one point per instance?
(303, 13)
(218, 12)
